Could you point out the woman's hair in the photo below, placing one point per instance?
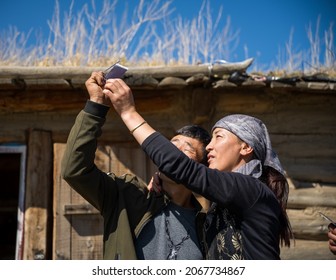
(279, 185)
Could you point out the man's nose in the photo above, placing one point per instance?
(179, 146)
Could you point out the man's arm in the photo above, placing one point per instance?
(78, 168)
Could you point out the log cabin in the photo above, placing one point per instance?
(43, 218)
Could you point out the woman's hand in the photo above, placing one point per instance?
(120, 95)
(122, 100)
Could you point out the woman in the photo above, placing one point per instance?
(244, 180)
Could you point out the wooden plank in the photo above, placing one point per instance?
(308, 224)
(62, 196)
(311, 169)
(310, 145)
(39, 84)
(202, 107)
(80, 209)
(87, 237)
(256, 102)
(103, 158)
(87, 229)
(299, 122)
(136, 160)
(307, 250)
(303, 113)
(126, 159)
(15, 125)
(313, 196)
(286, 113)
(38, 194)
(7, 84)
(44, 100)
(86, 233)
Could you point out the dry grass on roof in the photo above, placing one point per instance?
(83, 39)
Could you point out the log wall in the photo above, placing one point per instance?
(301, 120)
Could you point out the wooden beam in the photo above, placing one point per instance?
(308, 224)
(156, 72)
(312, 197)
(62, 195)
(307, 250)
(38, 196)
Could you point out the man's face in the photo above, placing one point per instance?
(191, 147)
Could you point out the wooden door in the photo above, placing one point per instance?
(78, 226)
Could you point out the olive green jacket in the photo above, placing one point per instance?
(124, 202)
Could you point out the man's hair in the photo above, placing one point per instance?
(199, 133)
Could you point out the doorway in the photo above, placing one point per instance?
(12, 175)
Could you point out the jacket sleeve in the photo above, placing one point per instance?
(229, 189)
(78, 168)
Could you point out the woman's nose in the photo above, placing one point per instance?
(209, 147)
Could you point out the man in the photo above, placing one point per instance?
(138, 224)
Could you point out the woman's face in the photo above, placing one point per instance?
(224, 150)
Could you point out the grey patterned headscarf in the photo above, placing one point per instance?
(253, 132)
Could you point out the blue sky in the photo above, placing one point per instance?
(264, 26)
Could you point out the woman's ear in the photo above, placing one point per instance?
(246, 149)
